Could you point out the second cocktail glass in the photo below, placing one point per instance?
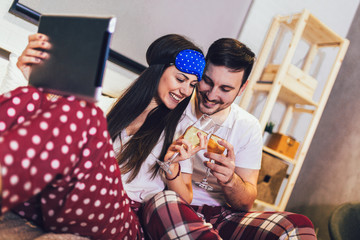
(220, 132)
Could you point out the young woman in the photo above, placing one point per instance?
(57, 161)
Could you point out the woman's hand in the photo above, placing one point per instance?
(34, 53)
(178, 181)
(185, 149)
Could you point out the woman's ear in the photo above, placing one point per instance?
(243, 87)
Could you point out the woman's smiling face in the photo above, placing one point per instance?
(175, 86)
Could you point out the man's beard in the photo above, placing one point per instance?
(220, 105)
(202, 107)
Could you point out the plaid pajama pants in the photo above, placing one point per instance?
(168, 216)
(58, 167)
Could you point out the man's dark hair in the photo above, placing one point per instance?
(231, 53)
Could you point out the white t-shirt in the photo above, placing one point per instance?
(246, 138)
(143, 187)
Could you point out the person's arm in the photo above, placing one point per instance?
(13, 77)
(178, 181)
(241, 191)
(238, 184)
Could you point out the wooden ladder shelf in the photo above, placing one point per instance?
(293, 86)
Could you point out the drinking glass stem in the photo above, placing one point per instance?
(166, 165)
(172, 158)
(207, 173)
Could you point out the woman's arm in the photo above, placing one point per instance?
(13, 77)
(178, 181)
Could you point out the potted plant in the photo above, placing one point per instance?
(268, 131)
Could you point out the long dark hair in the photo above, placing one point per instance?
(231, 53)
(135, 100)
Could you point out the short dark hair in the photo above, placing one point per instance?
(233, 54)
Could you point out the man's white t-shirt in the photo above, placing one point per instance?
(245, 136)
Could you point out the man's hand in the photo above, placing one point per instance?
(34, 53)
(238, 184)
(224, 167)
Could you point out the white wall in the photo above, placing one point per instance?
(13, 30)
(140, 22)
(13, 34)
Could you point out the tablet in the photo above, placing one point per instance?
(80, 48)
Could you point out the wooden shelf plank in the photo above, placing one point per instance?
(315, 31)
(279, 155)
(286, 95)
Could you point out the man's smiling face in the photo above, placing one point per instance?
(218, 89)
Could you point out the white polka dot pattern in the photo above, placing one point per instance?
(67, 163)
(190, 61)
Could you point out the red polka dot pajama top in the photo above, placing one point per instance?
(58, 167)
